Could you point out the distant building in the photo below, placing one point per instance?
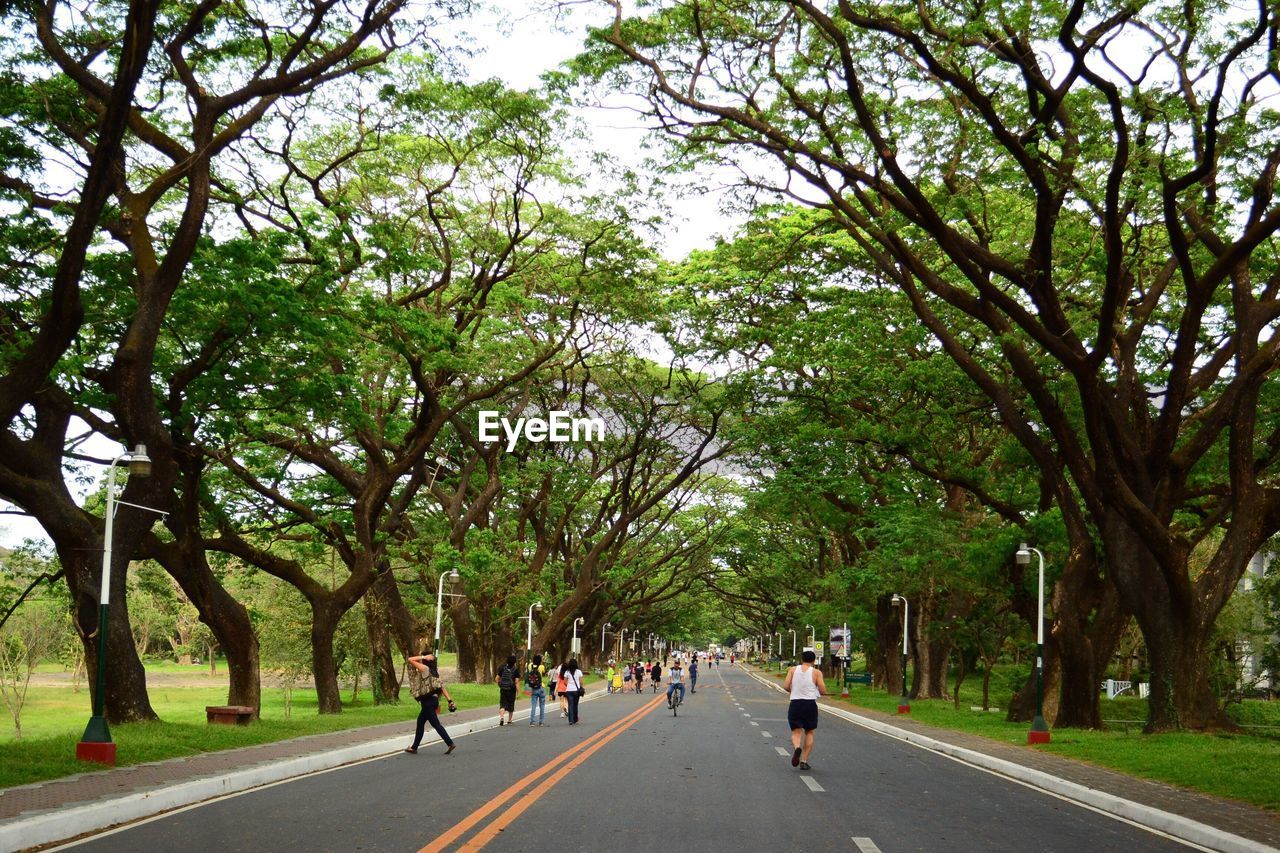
(1251, 670)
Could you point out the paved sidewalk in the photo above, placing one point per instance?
(1231, 816)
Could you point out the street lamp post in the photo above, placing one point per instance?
(528, 643)
(793, 644)
(604, 628)
(1039, 728)
(904, 704)
(453, 577)
(813, 637)
(778, 634)
(96, 744)
(576, 622)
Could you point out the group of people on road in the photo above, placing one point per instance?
(564, 680)
(631, 677)
(804, 684)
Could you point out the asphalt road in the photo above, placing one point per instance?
(632, 777)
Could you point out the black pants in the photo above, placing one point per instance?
(430, 714)
(573, 697)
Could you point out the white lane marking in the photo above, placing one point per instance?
(754, 723)
(745, 714)
(781, 750)
(813, 785)
(767, 734)
(863, 723)
(866, 845)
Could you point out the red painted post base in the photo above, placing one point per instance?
(102, 753)
(904, 709)
(844, 694)
(1037, 737)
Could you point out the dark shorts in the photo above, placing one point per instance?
(803, 714)
(507, 699)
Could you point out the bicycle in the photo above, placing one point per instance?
(676, 700)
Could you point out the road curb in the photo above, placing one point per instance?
(1183, 828)
(66, 823)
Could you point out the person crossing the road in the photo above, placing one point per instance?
(805, 684)
(675, 679)
(432, 688)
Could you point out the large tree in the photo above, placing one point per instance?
(113, 118)
(1092, 187)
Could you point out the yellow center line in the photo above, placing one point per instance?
(470, 821)
(506, 818)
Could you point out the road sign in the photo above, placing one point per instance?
(817, 648)
(840, 641)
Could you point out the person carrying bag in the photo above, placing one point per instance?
(427, 687)
(573, 689)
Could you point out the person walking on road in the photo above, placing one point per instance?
(805, 684)
(427, 688)
(609, 674)
(655, 675)
(693, 675)
(560, 689)
(573, 689)
(508, 681)
(637, 672)
(537, 693)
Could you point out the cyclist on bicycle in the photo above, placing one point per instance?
(675, 678)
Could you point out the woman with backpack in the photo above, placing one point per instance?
(508, 679)
(427, 688)
(537, 694)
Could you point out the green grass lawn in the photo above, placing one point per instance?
(54, 719)
(1239, 766)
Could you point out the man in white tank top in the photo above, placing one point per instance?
(805, 684)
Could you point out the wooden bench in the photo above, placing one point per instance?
(229, 715)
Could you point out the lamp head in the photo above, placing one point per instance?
(453, 575)
(1023, 557)
(140, 462)
(896, 600)
(537, 605)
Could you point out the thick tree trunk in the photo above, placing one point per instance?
(383, 675)
(229, 621)
(226, 617)
(929, 679)
(930, 651)
(1176, 635)
(889, 643)
(126, 699)
(1087, 620)
(324, 667)
(468, 648)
